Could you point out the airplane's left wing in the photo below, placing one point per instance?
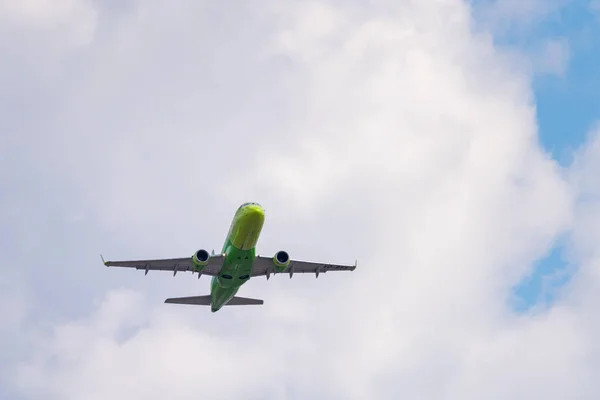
(264, 266)
(171, 264)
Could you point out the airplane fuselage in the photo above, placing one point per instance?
(240, 252)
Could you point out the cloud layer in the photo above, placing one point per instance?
(393, 133)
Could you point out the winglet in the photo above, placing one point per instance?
(355, 263)
(104, 262)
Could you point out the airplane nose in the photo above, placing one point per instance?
(255, 212)
(247, 227)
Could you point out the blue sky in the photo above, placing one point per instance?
(567, 107)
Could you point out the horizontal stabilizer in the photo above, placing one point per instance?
(193, 300)
(243, 301)
(206, 301)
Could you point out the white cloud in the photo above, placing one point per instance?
(400, 137)
(518, 23)
(503, 16)
(553, 57)
(76, 19)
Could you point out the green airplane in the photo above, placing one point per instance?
(236, 264)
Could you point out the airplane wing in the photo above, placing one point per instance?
(171, 264)
(264, 266)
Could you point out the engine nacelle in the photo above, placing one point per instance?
(200, 260)
(281, 260)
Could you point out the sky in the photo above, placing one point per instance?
(450, 146)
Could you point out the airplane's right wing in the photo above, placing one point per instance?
(265, 266)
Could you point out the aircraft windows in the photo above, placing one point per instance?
(245, 277)
(226, 276)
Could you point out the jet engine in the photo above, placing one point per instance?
(200, 260)
(281, 260)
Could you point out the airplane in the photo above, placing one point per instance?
(235, 265)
